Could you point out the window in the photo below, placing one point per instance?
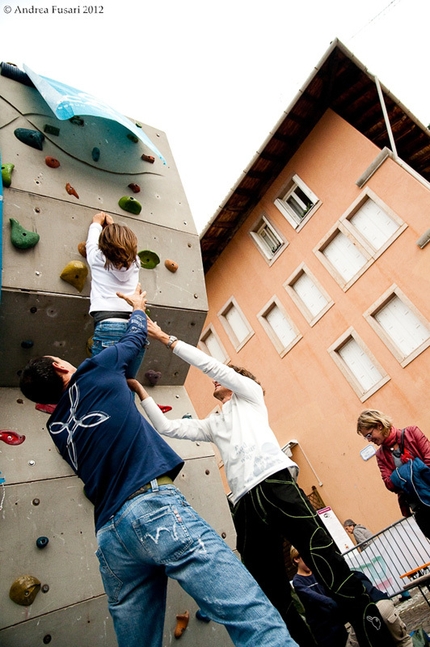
(344, 259)
(358, 365)
(297, 203)
(211, 344)
(363, 232)
(400, 325)
(308, 295)
(278, 326)
(373, 222)
(269, 242)
(235, 324)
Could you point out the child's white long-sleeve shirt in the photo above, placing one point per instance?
(105, 283)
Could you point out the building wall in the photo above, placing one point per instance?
(308, 396)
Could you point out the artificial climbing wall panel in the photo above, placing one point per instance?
(44, 499)
(56, 175)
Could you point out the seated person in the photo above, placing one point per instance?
(322, 612)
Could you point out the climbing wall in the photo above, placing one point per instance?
(56, 174)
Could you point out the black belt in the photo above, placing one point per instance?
(161, 480)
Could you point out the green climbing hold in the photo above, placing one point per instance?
(130, 204)
(32, 138)
(75, 273)
(20, 237)
(148, 259)
(6, 173)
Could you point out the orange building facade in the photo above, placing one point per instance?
(324, 294)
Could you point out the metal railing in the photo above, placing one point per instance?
(390, 553)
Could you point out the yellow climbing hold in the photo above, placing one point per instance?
(75, 273)
(24, 590)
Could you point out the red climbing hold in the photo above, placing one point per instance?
(148, 158)
(51, 162)
(46, 408)
(134, 187)
(71, 191)
(164, 407)
(11, 437)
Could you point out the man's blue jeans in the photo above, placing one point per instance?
(158, 535)
(107, 333)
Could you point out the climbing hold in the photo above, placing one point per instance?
(89, 346)
(78, 121)
(181, 623)
(134, 187)
(24, 590)
(148, 259)
(164, 407)
(42, 542)
(82, 249)
(11, 437)
(75, 273)
(20, 237)
(71, 191)
(172, 266)
(148, 158)
(6, 174)
(27, 343)
(45, 408)
(132, 138)
(52, 162)
(51, 130)
(32, 138)
(95, 154)
(130, 204)
(187, 415)
(153, 376)
(202, 616)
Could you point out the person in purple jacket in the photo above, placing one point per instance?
(146, 530)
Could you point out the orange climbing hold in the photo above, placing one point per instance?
(172, 266)
(148, 158)
(82, 249)
(182, 620)
(71, 191)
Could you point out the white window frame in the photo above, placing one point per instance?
(210, 331)
(289, 287)
(281, 202)
(368, 194)
(333, 350)
(222, 315)
(263, 223)
(369, 315)
(276, 341)
(340, 228)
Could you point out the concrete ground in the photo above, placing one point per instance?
(415, 612)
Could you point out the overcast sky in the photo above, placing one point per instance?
(215, 77)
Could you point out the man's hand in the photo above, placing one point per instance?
(137, 300)
(136, 386)
(103, 219)
(155, 332)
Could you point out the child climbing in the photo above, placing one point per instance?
(111, 253)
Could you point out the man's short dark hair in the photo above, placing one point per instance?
(39, 381)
